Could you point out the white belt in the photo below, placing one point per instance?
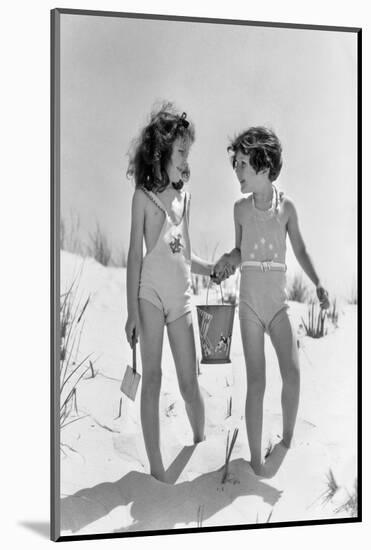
(264, 266)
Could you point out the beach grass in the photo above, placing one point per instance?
(350, 506)
(230, 296)
(200, 515)
(120, 410)
(201, 282)
(229, 407)
(93, 373)
(69, 236)
(120, 258)
(332, 488)
(228, 453)
(99, 247)
(196, 284)
(353, 298)
(333, 313)
(315, 325)
(269, 517)
(73, 367)
(297, 290)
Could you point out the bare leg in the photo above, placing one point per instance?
(151, 339)
(284, 341)
(182, 343)
(253, 345)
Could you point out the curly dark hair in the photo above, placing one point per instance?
(151, 151)
(263, 147)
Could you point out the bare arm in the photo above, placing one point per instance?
(301, 253)
(200, 266)
(227, 264)
(235, 254)
(135, 257)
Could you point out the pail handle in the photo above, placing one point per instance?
(207, 292)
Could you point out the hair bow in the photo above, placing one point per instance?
(182, 121)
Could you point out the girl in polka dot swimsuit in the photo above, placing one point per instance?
(262, 221)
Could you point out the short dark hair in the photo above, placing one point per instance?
(263, 147)
(152, 150)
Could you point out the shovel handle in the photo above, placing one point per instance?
(135, 357)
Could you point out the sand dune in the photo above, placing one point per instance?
(105, 486)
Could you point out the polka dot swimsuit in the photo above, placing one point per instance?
(262, 294)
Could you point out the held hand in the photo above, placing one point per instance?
(323, 298)
(132, 331)
(222, 269)
(219, 276)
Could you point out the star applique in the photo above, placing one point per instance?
(262, 240)
(270, 246)
(176, 245)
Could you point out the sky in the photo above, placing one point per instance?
(301, 83)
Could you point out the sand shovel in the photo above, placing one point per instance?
(130, 382)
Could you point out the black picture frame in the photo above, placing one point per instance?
(55, 188)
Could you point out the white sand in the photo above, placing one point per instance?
(105, 486)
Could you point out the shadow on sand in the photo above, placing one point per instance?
(156, 505)
(274, 460)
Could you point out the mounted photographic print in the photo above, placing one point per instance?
(205, 274)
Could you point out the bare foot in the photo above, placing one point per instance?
(159, 474)
(258, 468)
(287, 442)
(156, 466)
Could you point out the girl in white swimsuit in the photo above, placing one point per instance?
(166, 270)
(159, 285)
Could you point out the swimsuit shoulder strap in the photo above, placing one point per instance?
(185, 208)
(153, 197)
(278, 196)
(188, 205)
(155, 200)
(187, 197)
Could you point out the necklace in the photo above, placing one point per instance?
(264, 214)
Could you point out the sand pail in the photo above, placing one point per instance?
(215, 323)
